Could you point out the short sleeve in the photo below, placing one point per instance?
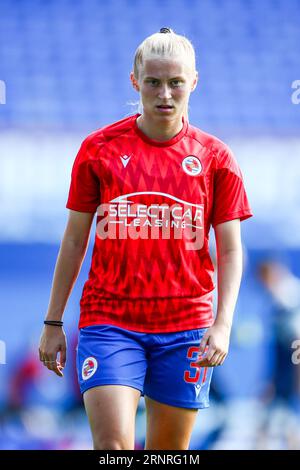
(84, 192)
(229, 197)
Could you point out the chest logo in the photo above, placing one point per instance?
(192, 165)
(125, 159)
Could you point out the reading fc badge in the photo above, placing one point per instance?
(192, 165)
(89, 367)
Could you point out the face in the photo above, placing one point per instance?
(165, 85)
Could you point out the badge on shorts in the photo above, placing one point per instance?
(192, 165)
(89, 367)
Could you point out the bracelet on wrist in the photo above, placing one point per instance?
(53, 322)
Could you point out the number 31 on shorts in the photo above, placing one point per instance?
(189, 377)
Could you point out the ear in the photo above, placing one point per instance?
(134, 82)
(195, 81)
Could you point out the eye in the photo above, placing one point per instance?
(176, 83)
(153, 82)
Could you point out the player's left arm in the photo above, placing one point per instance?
(229, 271)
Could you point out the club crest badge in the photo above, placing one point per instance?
(89, 367)
(192, 165)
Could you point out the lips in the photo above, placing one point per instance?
(163, 106)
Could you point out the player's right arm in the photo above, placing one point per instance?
(70, 257)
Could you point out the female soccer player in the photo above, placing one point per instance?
(146, 323)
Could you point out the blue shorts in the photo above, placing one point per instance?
(160, 365)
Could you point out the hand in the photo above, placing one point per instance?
(214, 346)
(52, 341)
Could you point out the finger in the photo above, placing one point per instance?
(48, 362)
(63, 357)
(41, 355)
(204, 353)
(223, 359)
(209, 360)
(203, 363)
(210, 353)
(54, 366)
(45, 360)
(203, 344)
(215, 360)
(202, 358)
(219, 360)
(59, 370)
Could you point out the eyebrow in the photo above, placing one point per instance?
(155, 78)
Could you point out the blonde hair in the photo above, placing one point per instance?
(164, 44)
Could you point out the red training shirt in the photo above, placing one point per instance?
(151, 270)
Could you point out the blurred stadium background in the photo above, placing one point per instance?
(65, 65)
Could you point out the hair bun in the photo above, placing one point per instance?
(165, 30)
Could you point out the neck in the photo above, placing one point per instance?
(159, 131)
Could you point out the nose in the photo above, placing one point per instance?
(164, 92)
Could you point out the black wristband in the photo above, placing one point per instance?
(53, 322)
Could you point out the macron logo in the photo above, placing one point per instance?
(125, 159)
